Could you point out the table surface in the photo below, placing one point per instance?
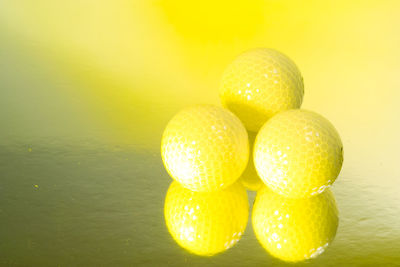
(86, 89)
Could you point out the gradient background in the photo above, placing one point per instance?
(87, 87)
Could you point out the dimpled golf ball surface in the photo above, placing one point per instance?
(206, 223)
(205, 148)
(298, 153)
(260, 83)
(294, 229)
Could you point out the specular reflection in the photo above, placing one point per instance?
(206, 223)
(294, 229)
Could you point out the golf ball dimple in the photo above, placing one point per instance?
(205, 148)
(206, 223)
(294, 230)
(259, 84)
(298, 153)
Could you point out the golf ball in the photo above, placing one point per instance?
(260, 83)
(205, 148)
(298, 153)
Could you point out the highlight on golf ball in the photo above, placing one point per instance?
(298, 153)
(250, 178)
(259, 84)
(205, 148)
(294, 230)
(206, 223)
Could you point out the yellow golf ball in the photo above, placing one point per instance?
(294, 229)
(260, 83)
(250, 178)
(205, 148)
(206, 223)
(298, 153)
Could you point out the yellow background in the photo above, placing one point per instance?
(117, 71)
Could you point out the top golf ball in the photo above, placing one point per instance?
(260, 83)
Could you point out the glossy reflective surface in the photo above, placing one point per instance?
(87, 88)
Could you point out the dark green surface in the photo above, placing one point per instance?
(103, 206)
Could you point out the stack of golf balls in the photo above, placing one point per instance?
(260, 139)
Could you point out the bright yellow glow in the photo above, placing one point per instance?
(214, 21)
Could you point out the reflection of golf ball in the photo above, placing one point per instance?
(260, 83)
(250, 178)
(205, 148)
(298, 153)
(294, 229)
(206, 223)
